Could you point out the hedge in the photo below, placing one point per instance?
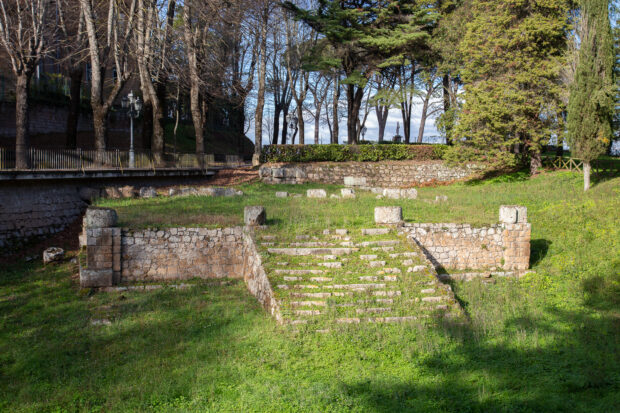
(345, 153)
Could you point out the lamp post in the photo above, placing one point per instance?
(133, 105)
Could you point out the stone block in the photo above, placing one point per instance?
(347, 193)
(409, 193)
(254, 215)
(96, 278)
(391, 193)
(148, 192)
(316, 193)
(388, 215)
(355, 181)
(53, 254)
(512, 214)
(100, 218)
(281, 194)
(277, 172)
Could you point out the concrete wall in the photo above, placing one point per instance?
(388, 174)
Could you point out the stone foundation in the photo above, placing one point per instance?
(28, 212)
(388, 174)
(460, 246)
(181, 254)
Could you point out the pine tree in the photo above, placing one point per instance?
(512, 55)
(592, 100)
(366, 36)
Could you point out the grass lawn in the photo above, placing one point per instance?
(547, 342)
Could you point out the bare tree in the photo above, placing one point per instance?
(431, 87)
(264, 11)
(406, 89)
(73, 53)
(298, 38)
(319, 87)
(108, 41)
(152, 37)
(384, 98)
(22, 33)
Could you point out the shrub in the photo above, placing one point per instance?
(344, 153)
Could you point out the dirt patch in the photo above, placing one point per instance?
(66, 239)
(232, 177)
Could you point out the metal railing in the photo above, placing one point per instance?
(79, 159)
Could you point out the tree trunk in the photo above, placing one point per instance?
(300, 122)
(284, 124)
(317, 124)
(100, 127)
(147, 121)
(335, 100)
(381, 113)
(197, 120)
(423, 119)
(446, 92)
(22, 137)
(587, 170)
(262, 72)
(354, 102)
(276, 124)
(157, 142)
(535, 162)
(75, 95)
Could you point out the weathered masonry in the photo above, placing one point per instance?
(460, 246)
(387, 174)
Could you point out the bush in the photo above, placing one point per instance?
(344, 153)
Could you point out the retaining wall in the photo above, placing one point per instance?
(387, 174)
(460, 246)
(32, 211)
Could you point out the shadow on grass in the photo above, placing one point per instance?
(538, 250)
(578, 370)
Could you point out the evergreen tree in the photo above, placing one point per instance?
(366, 36)
(592, 100)
(512, 55)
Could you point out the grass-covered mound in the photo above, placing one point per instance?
(547, 342)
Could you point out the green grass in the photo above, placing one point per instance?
(547, 342)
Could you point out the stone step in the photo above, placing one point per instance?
(312, 244)
(428, 291)
(403, 254)
(376, 278)
(386, 293)
(321, 279)
(313, 295)
(357, 286)
(307, 312)
(308, 303)
(384, 249)
(384, 243)
(372, 310)
(368, 257)
(299, 272)
(401, 319)
(375, 231)
(417, 268)
(330, 264)
(390, 271)
(312, 251)
(434, 299)
(375, 264)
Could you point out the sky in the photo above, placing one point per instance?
(430, 132)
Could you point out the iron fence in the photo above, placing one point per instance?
(79, 159)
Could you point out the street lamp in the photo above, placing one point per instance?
(133, 105)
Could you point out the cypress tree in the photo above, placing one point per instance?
(512, 54)
(591, 104)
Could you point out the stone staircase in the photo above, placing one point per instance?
(347, 277)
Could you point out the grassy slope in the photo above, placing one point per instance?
(547, 342)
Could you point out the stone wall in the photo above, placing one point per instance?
(387, 174)
(460, 246)
(181, 253)
(29, 211)
(256, 279)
